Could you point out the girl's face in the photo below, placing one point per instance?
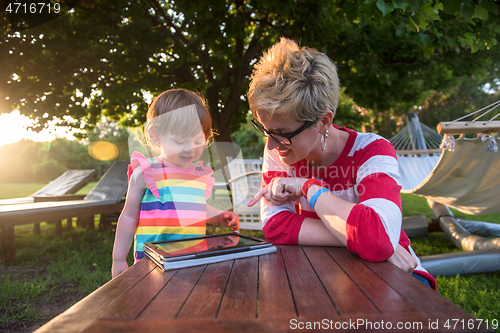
(179, 151)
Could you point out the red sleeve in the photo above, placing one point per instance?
(367, 236)
(283, 228)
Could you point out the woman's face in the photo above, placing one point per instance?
(303, 143)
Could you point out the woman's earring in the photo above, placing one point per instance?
(323, 140)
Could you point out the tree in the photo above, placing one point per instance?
(101, 57)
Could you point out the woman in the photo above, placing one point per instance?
(324, 185)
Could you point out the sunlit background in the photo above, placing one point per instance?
(14, 127)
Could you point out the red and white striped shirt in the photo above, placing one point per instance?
(366, 174)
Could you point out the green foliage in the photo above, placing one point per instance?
(100, 59)
(348, 113)
(467, 96)
(250, 141)
(45, 161)
(47, 170)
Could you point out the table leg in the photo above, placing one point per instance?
(8, 245)
(36, 228)
(69, 223)
(58, 225)
(91, 222)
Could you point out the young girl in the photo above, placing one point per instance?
(167, 195)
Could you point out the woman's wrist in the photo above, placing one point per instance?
(311, 182)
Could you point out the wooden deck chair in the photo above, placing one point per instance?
(105, 197)
(244, 183)
(62, 188)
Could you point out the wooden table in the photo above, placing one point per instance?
(291, 290)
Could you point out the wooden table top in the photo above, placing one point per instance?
(298, 287)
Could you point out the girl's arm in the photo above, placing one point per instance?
(226, 218)
(127, 223)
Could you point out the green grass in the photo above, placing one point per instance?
(20, 190)
(475, 293)
(53, 272)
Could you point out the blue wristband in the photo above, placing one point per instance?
(316, 195)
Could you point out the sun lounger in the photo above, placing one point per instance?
(105, 197)
(62, 188)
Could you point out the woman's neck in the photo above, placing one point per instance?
(333, 149)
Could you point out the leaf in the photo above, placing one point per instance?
(385, 7)
(480, 12)
(452, 42)
(451, 6)
(489, 6)
(426, 40)
(423, 22)
(350, 10)
(413, 26)
(402, 4)
(467, 11)
(432, 12)
(400, 32)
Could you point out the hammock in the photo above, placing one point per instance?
(464, 176)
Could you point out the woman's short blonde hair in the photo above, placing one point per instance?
(298, 81)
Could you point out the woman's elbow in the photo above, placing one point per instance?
(374, 252)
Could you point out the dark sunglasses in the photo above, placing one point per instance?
(284, 139)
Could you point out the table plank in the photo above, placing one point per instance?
(275, 294)
(308, 293)
(346, 295)
(306, 283)
(240, 296)
(135, 300)
(385, 298)
(424, 299)
(205, 299)
(172, 297)
(415, 322)
(83, 313)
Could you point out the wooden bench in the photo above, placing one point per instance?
(297, 288)
(106, 197)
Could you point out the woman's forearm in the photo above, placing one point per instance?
(333, 212)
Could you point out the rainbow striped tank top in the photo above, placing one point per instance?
(174, 205)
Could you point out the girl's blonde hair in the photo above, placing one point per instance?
(191, 111)
(291, 80)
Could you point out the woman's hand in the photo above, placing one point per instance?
(280, 190)
(403, 260)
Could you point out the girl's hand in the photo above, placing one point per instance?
(231, 220)
(280, 190)
(118, 268)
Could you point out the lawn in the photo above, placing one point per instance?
(53, 272)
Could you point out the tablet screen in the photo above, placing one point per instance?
(204, 244)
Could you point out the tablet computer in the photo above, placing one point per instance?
(203, 247)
